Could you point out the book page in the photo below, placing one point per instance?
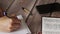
(50, 25)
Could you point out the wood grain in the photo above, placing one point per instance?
(5, 3)
(16, 7)
(58, 1)
(56, 14)
(34, 20)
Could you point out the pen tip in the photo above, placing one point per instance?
(22, 7)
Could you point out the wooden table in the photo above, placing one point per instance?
(34, 20)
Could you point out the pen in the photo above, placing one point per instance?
(25, 10)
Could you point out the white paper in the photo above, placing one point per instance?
(50, 25)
